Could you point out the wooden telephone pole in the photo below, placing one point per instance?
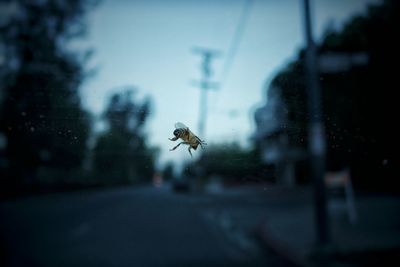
(205, 84)
(316, 133)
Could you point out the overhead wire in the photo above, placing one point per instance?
(237, 37)
(234, 44)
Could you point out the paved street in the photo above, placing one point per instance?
(144, 226)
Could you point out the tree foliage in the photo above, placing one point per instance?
(233, 163)
(41, 114)
(358, 102)
(121, 154)
(291, 86)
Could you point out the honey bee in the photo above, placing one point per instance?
(189, 138)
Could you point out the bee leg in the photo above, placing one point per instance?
(178, 145)
(175, 146)
(173, 139)
(190, 152)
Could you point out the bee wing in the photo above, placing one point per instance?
(179, 125)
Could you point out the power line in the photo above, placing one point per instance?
(205, 84)
(238, 35)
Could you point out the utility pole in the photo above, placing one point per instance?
(316, 133)
(205, 84)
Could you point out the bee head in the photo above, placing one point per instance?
(177, 132)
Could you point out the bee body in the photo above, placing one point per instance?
(187, 136)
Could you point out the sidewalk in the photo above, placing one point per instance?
(373, 240)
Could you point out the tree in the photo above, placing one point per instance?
(290, 84)
(358, 101)
(233, 164)
(41, 114)
(121, 154)
(368, 96)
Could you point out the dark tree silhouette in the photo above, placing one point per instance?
(234, 164)
(121, 154)
(358, 101)
(41, 114)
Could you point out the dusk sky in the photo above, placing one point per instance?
(148, 44)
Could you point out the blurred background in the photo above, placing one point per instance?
(295, 100)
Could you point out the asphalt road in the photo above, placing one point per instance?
(144, 226)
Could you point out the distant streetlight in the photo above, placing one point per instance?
(316, 133)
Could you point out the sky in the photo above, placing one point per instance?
(148, 44)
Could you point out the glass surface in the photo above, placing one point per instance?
(199, 133)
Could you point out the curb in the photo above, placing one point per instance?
(278, 247)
